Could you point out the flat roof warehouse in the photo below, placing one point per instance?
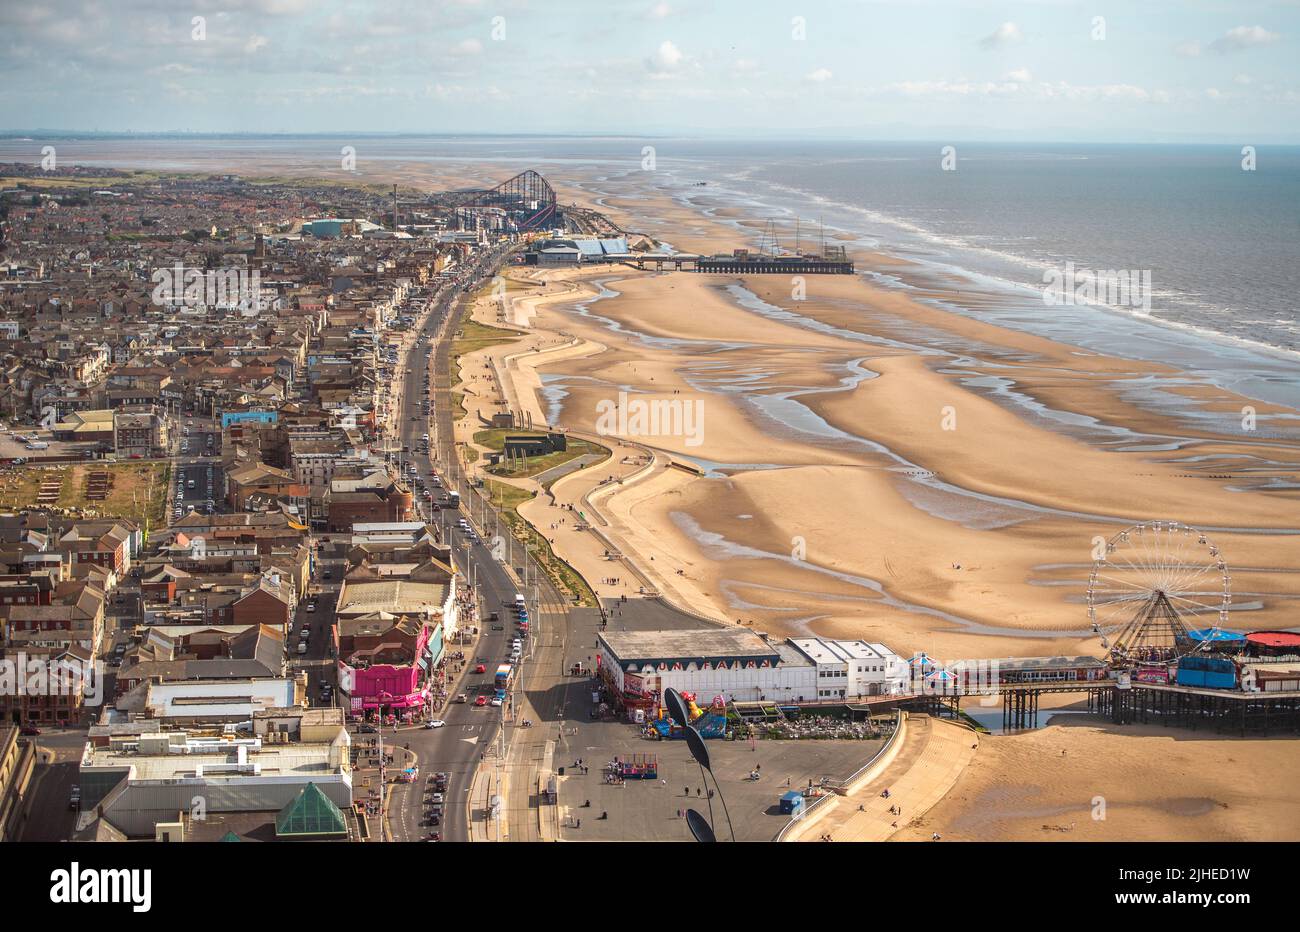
(727, 645)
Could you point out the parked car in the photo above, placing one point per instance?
(480, 701)
(434, 723)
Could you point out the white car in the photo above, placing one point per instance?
(435, 723)
(496, 700)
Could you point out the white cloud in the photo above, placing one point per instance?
(1242, 79)
(466, 47)
(820, 75)
(1240, 38)
(1188, 49)
(1035, 90)
(1020, 76)
(1005, 34)
(254, 43)
(660, 11)
(665, 59)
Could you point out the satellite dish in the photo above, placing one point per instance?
(699, 826)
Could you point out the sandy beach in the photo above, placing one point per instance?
(852, 520)
(868, 463)
(870, 466)
(1158, 784)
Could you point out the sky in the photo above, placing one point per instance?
(1050, 70)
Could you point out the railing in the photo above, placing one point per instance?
(804, 812)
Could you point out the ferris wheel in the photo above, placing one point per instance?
(1153, 583)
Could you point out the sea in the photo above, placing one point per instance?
(1214, 229)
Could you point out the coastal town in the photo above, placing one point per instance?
(434, 423)
(274, 504)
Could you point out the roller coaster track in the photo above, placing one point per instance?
(527, 193)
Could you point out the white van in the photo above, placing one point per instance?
(519, 600)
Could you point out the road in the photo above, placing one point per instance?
(197, 460)
(58, 765)
(471, 732)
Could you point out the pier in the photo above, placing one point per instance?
(1226, 711)
(774, 265)
(740, 265)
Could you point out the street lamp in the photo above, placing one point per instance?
(701, 829)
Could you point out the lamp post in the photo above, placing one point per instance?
(702, 829)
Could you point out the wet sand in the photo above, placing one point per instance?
(873, 466)
(837, 501)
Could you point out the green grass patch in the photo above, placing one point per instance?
(494, 440)
(507, 499)
(471, 337)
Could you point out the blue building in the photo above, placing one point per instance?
(244, 417)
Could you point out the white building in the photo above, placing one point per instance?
(854, 669)
(734, 663)
(739, 665)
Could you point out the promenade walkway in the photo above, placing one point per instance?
(933, 755)
(508, 372)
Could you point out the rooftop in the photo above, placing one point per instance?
(208, 699)
(399, 596)
(740, 643)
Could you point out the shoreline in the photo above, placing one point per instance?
(737, 209)
(839, 505)
(639, 513)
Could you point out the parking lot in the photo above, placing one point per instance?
(13, 448)
(646, 810)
